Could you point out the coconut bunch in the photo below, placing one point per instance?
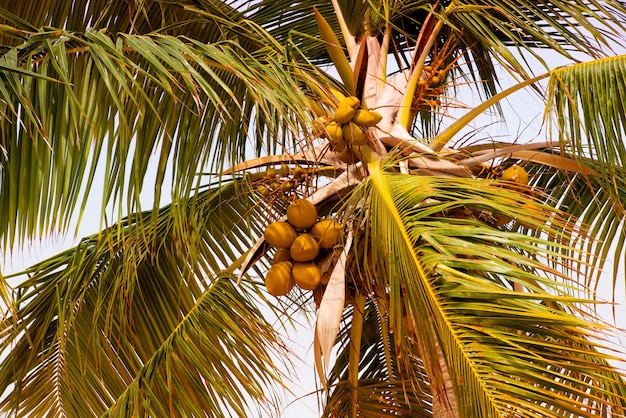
(349, 124)
(281, 181)
(431, 86)
(299, 242)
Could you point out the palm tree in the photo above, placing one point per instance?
(460, 278)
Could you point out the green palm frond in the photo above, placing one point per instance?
(122, 103)
(294, 23)
(118, 309)
(579, 198)
(180, 81)
(493, 305)
(587, 103)
(144, 17)
(482, 33)
(197, 367)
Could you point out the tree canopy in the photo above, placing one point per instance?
(462, 281)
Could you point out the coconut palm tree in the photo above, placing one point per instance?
(456, 275)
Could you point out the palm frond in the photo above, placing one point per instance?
(119, 17)
(494, 306)
(479, 291)
(122, 103)
(587, 103)
(198, 368)
(90, 321)
(483, 34)
(294, 23)
(381, 386)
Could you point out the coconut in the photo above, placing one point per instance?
(366, 118)
(306, 275)
(344, 114)
(263, 190)
(351, 101)
(304, 248)
(516, 174)
(339, 147)
(327, 232)
(353, 134)
(302, 214)
(279, 280)
(334, 132)
(280, 234)
(282, 254)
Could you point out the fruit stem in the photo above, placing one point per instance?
(366, 154)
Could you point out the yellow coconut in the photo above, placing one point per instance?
(319, 127)
(283, 171)
(304, 248)
(306, 275)
(366, 118)
(282, 254)
(263, 190)
(298, 172)
(340, 146)
(351, 101)
(302, 214)
(334, 132)
(280, 234)
(344, 114)
(327, 232)
(353, 134)
(279, 279)
(287, 186)
(516, 174)
(274, 185)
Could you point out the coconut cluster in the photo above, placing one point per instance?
(298, 243)
(349, 124)
(432, 87)
(280, 182)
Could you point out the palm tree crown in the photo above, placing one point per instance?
(311, 167)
